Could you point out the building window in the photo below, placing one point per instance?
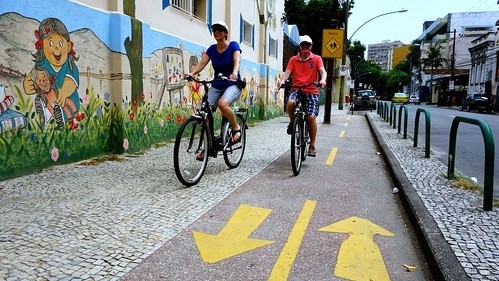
(247, 32)
(273, 47)
(196, 8)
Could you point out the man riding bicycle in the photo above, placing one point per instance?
(305, 68)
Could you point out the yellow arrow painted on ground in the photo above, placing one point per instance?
(233, 239)
(359, 257)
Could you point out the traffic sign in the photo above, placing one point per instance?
(332, 43)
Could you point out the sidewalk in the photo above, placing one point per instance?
(458, 232)
(98, 222)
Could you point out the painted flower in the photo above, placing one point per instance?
(85, 99)
(142, 96)
(125, 144)
(54, 154)
(107, 96)
(169, 117)
(179, 119)
(145, 129)
(98, 111)
(161, 122)
(132, 116)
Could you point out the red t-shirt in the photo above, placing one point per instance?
(305, 71)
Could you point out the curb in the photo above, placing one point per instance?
(442, 259)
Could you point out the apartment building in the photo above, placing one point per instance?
(456, 34)
(380, 53)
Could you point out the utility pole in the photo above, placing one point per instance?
(344, 57)
(329, 64)
(452, 82)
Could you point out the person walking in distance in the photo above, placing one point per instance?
(305, 68)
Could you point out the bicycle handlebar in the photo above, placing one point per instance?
(240, 83)
(298, 86)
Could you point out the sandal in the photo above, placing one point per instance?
(235, 137)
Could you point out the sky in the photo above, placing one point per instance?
(404, 26)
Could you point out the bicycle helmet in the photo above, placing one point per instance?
(220, 24)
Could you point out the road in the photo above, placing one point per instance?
(336, 220)
(470, 150)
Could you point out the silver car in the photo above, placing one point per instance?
(364, 99)
(414, 99)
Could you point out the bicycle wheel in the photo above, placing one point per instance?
(233, 152)
(296, 145)
(189, 144)
(306, 141)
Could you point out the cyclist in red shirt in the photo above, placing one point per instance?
(306, 68)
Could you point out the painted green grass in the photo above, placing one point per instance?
(108, 129)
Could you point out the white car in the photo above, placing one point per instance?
(414, 99)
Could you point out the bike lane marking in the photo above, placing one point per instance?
(233, 239)
(359, 257)
(284, 263)
(332, 156)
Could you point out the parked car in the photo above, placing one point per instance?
(364, 99)
(414, 99)
(400, 98)
(478, 102)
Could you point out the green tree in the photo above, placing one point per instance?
(315, 16)
(433, 60)
(356, 53)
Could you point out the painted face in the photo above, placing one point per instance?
(56, 49)
(42, 81)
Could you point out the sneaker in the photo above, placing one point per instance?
(290, 128)
(311, 151)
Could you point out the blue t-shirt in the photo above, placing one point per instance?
(223, 63)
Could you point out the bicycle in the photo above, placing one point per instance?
(196, 141)
(300, 139)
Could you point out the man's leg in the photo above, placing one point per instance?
(312, 128)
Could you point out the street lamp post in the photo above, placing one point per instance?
(343, 59)
(384, 14)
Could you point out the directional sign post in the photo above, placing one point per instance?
(332, 43)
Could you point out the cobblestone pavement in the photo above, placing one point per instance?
(97, 222)
(471, 232)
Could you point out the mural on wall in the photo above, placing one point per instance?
(66, 96)
(55, 76)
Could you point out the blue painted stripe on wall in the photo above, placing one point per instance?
(166, 3)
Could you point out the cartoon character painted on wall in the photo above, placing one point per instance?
(194, 87)
(277, 80)
(54, 53)
(46, 97)
(244, 94)
(252, 91)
